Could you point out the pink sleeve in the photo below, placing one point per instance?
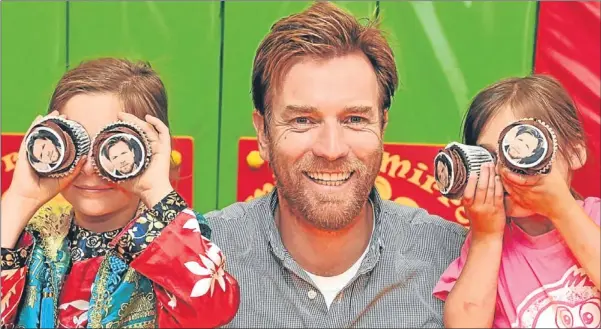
(450, 275)
(592, 206)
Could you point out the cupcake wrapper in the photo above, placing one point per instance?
(452, 171)
(469, 159)
(547, 168)
(473, 156)
(143, 139)
(80, 138)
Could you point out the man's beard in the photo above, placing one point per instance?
(323, 210)
(127, 168)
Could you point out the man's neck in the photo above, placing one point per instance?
(320, 252)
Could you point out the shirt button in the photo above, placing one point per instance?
(312, 294)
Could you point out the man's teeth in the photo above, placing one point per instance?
(329, 178)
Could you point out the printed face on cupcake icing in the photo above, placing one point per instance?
(524, 146)
(443, 174)
(122, 155)
(45, 149)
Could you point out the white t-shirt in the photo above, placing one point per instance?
(330, 286)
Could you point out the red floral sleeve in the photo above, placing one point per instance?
(169, 245)
(12, 280)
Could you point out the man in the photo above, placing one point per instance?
(120, 153)
(443, 172)
(44, 150)
(323, 249)
(526, 147)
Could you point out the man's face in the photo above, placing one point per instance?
(324, 139)
(121, 157)
(522, 146)
(45, 151)
(443, 174)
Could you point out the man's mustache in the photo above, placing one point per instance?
(338, 165)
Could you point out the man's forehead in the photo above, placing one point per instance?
(340, 82)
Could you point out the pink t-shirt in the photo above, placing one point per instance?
(540, 283)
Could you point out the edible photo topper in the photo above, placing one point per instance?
(45, 149)
(122, 155)
(524, 146)
(443, 172)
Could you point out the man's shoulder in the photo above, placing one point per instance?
(401, 217)
(230, 222)
(415, 231)
(238, 213)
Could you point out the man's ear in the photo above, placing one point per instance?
(578, 158)
(385, 120)
(262, 134)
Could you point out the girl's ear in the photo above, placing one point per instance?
(578, 158)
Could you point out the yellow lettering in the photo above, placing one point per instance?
(267, 188)
(384, 188)
(406, 202)
(9, 161)
(430, 182)
(394, 162)
(417, 174)
(460, 216)
(447, 202)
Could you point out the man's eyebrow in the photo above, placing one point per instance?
(303, 109)
(300, 109)
(360, 109)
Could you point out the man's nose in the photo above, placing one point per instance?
(331, 144)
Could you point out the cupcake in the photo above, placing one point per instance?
(55, 146)
(527, 147)
(453, 165)
(120, 151)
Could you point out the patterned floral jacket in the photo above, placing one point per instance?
(161, 270)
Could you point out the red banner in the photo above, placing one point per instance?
(406, 177)
(568, 48)
(182, 155)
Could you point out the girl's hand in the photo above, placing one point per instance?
(153, 184)
(30, 188)
(542, 194)
(483, 202)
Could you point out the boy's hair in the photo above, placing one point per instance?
(322, 31)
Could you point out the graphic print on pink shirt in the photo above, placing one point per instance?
(571, 302)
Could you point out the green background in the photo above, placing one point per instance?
(445, 53)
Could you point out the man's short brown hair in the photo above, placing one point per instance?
(322, 31)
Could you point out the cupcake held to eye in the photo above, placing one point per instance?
(55, 146)
(453, 165)
(121, 151)
(527, 147)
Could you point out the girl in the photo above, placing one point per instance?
(531, 259)
(127, 255)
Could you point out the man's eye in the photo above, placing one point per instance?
(355, 120)
(301, 121)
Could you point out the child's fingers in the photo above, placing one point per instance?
(499, 192)
(482, 186)
(490, 191)
(470, 189)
